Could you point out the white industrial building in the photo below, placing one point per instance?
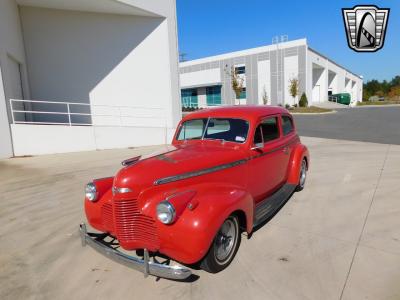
(81, 75)
(266, 71)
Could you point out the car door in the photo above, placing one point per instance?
(289, 138)
(268, 158)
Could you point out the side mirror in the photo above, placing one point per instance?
(257, 147)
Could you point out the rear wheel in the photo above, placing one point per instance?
(224, 246)
(303, 176)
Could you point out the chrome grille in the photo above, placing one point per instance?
(131, 225)
(107, 217)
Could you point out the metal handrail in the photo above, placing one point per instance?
(87, 104)
(189, 103)
(67, 112)
(332, 98)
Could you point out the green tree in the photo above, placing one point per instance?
(379, 88)
(294, 88)
(380, 93)
(366, 95)
(303, 100)
(394, 92)
(395, 81)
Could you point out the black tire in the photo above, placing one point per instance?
(302, 176)
(217, 257)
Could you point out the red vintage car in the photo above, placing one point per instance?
(228, 170)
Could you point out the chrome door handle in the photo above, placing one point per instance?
(286, 150)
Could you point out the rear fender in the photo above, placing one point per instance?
(299, 153)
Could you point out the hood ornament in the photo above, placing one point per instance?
(116, 190)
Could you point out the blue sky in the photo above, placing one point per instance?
(208, 27)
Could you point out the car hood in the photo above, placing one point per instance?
(175, 160)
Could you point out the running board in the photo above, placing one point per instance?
(267, 207)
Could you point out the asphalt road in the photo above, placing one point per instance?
(366, 124)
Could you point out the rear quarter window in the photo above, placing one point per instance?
(287, 125)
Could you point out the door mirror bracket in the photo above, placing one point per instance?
(258, 147)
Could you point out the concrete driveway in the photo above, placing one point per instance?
(367, 124)
(337, 239)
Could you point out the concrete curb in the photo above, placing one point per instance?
(383, 105)
(316, 113)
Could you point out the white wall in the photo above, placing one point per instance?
(5, 140)
(199, 78)
(98, 58)
(323, 81)
(11, 45)
(264, 80)
(48, 139)
(107, 59)
(291, 71)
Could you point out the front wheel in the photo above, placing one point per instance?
(303, 176)
(224, 246)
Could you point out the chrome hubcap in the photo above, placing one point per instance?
(225, 240)
(303, 173)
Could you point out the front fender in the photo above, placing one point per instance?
(298, 154)
(188, 239)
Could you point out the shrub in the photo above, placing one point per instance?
(303, 100)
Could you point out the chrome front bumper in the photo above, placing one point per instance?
(145, 266)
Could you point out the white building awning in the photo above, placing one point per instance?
(124, 7)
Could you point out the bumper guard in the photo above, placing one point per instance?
(145, 266)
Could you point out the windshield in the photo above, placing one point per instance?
(231, 130)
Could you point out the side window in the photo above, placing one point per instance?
(270, 129)
(287, 125)
(258, 136)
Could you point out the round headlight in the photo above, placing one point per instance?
(166, 212)
(91, 192)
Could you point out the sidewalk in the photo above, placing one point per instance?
(337, 239)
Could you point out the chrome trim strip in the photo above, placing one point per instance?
(130, 161)
(291, 141)
(205, 128)
(220, 167)
(144, 266)
(198, 173)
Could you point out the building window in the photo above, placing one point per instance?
(240, 70)
(189, 98)
(213, 95)
(243, 94)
